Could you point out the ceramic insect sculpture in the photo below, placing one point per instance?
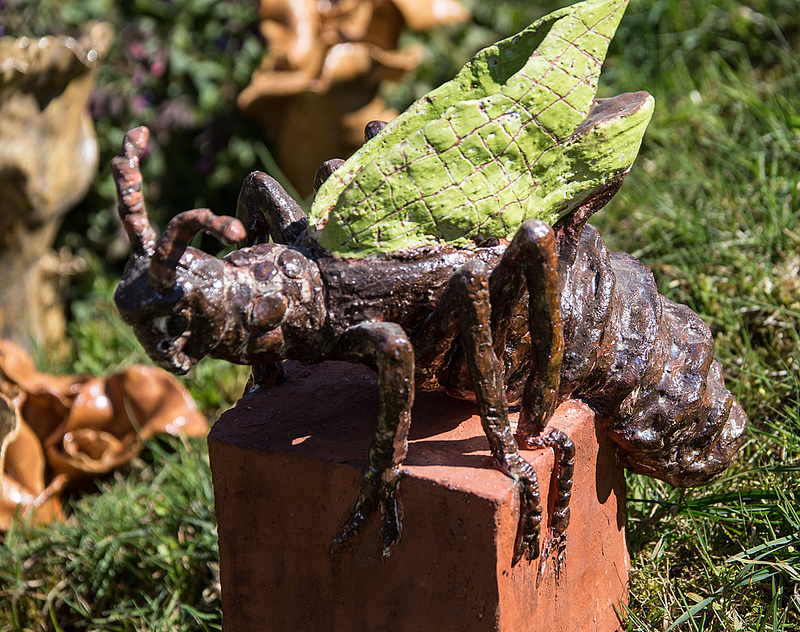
(451, 253)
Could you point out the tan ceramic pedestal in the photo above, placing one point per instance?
(286, 465)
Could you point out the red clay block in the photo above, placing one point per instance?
(286, 465)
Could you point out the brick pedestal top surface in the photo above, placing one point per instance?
(287, 462)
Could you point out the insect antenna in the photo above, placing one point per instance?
(130, 202)
(179, 232)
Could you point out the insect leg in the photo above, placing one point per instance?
(264, 375)
(464, 305)
(267, 211)
(326, 169)
(531, 262)
(372, 129)
(388, 346)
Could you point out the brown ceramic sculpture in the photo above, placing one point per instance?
(323, 70)
(48, 158)
(601, 333)
(57, 429)
(531, 316)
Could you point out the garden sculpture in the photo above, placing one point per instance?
(48, 159)
(452, 253)
(58, 431)
(324, 68)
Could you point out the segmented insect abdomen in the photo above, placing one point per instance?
(646, 365)
(681, 424)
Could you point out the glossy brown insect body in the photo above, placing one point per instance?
(549, 316)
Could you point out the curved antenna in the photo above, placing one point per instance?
(179, 232)
(130, 202)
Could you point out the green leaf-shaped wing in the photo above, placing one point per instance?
(506, 140)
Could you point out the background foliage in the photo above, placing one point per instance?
(711, 206)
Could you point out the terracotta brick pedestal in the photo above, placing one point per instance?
(286, 465)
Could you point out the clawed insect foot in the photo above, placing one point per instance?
(391, 523)
(559, 520)
(526, 544)
(527, 540)
(383, 496)
(557, 543)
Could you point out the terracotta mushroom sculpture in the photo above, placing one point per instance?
(325, 62)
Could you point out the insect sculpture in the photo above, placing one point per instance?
(515, 301)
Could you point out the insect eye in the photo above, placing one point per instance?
(173, 325)
(177, 324)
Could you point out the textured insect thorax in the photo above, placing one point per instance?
(500, 143)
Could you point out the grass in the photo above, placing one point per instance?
(140, 555)
(711, 206)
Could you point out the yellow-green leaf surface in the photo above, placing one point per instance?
(500, 143)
